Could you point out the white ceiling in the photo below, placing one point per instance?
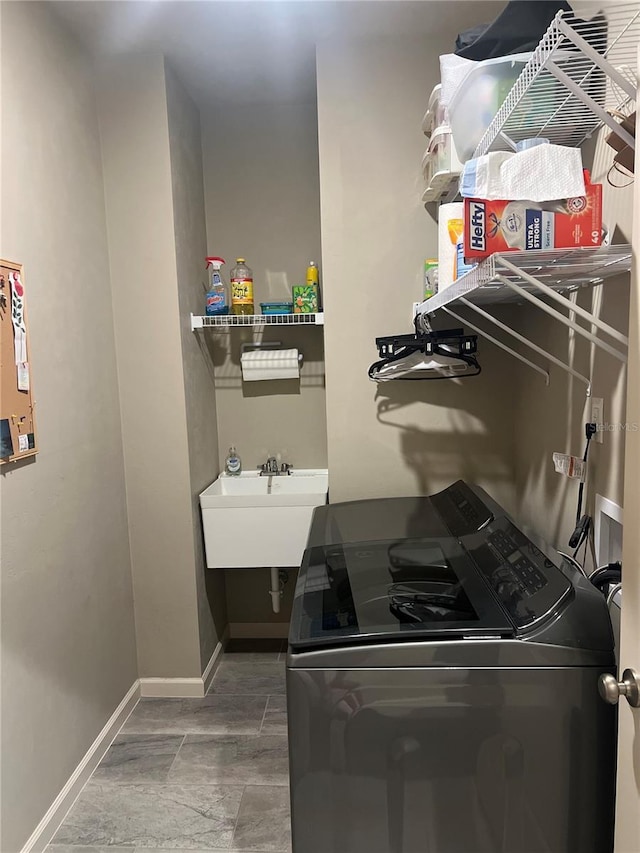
(246, 51)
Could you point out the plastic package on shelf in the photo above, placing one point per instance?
(440, 165)
(453, 70)
(479, 97)
(271, 308)
(492, 226)
(451, 260)
(436, 114)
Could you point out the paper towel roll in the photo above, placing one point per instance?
(446, 248)
(261, 365)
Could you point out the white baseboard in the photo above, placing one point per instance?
(48, 826)
(184, 688)
(259, 630)
(171, 688)
(214, 660)
(168, 688)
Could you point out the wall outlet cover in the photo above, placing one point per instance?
(597, 417)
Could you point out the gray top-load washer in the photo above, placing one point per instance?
(442, 686)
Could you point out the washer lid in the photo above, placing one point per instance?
(393, 589)
(456, 511)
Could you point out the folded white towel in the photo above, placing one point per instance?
(544, 173)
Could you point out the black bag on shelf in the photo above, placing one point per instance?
(517, 29)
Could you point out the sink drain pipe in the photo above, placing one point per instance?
(275, 592)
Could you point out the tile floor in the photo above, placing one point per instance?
(194, 774)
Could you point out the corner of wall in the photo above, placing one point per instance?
(142, 248)
(189, 226)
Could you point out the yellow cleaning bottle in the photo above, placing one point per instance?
(306, 297)
(242, 288)
(312, 273)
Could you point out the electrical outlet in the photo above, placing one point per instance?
(597, 417)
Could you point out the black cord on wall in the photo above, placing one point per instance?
(583, 522)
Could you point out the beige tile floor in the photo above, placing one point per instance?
(194, 774)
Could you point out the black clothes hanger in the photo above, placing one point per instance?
(450, 355)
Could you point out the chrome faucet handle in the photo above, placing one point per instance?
(286, 468)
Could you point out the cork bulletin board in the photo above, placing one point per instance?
(17, 421)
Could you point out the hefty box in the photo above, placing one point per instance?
(509, 226)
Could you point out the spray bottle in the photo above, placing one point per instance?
(217, 295)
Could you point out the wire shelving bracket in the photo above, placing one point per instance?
(501, 345)
(540, 350)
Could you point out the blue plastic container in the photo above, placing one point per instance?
(276, 307)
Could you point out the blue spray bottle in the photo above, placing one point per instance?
(217, 295)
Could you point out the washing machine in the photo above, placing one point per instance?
(442, 686)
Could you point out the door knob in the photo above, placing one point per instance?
(611, 689)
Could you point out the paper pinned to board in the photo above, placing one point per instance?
(19, 330)
(570, 466)
(17, 318)
(6, 442)
(23, 376)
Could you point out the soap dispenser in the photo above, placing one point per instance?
(233, 463)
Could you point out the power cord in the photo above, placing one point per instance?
(589, 431)
(583, 522)
(604, 576)
(584, 541)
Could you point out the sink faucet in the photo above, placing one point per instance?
(269, 468)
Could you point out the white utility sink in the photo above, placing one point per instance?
(260, 521)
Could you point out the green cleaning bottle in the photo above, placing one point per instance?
(430, 277)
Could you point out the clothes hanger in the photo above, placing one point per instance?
(425, 355)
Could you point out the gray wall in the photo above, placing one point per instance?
(68, 642)
(552, 419)
(142, 248)
(263, 203)
(284, 417)
(394, 438)
(185, 147)
(249, 603)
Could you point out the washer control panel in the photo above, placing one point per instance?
(461, 509)
(527, 584)
(524, 573)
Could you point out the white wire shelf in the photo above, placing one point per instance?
(226, 321)
(563, 270)
(546, 280)
(578, 73)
